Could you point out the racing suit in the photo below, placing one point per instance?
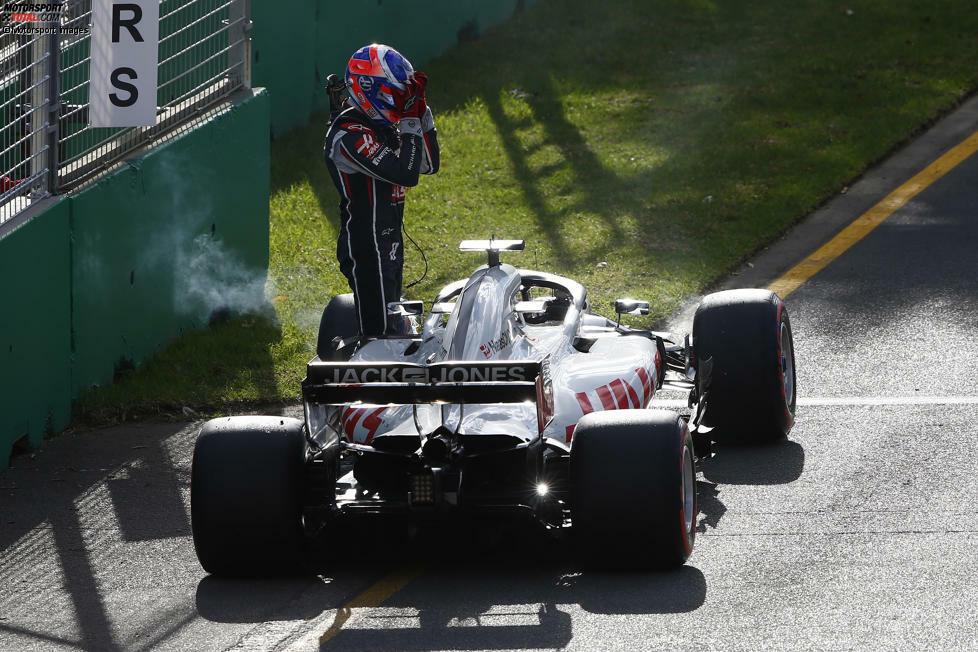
(371, 168)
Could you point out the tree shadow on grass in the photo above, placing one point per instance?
(755, 124)
(589, 180)
(737, 128)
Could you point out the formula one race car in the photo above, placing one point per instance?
(513, 398)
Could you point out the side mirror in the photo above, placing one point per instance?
(631, 307)
(443, 308)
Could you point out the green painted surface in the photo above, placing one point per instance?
(162, 243)
(282, 58)
(293, 57)
(104, 278)
(35, 372)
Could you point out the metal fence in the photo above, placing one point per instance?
(46, 145)
(25, 142)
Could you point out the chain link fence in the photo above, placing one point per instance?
(25, 140)
(46, 145)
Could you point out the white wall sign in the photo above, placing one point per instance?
(125, 46)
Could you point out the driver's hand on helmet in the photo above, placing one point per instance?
(416, 104)
(420, 84)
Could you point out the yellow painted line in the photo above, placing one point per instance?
(369, 599)
(872, 218)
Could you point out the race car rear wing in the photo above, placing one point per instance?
(405, 383)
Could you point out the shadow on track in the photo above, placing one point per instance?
(777, 463)
(513, 602)
(490, 587)
(61, 536)
(482, 586)
(225, 600)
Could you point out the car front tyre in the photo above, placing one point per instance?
(752, 389)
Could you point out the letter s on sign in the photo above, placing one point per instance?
(124, 86)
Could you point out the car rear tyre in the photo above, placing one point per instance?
(339, 320)
(633, 489)
(752, 389)
(246, 492)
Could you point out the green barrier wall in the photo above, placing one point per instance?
(155, 242)
(293, 51)
(35, 328)
(107, 276)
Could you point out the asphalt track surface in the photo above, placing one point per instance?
(859, 531)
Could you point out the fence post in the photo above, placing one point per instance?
(54, 110)
(239, 36)
(39, 104)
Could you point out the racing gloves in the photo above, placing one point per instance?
(417, 118)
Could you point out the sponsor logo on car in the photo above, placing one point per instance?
(361, 424)
(493, 347)
(438, 373)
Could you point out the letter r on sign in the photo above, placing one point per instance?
(135, 15)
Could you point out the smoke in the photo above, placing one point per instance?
(211, 279)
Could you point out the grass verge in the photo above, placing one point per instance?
(667, 139)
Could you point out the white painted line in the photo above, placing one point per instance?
(890, 400)
(853, 401)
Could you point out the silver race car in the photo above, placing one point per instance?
(510, 398)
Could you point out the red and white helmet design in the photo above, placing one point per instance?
(378, 77)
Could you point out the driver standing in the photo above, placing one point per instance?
(372, 163)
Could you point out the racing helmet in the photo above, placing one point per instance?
(378, 77)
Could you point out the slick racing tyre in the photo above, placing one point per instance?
(246, 493)
(339, 320)
(633, 489)
(745, 361)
